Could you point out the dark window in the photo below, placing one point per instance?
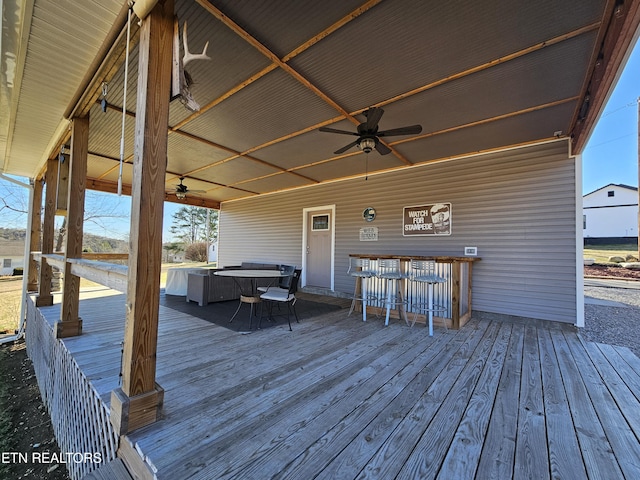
(611, 193)
(320, 222)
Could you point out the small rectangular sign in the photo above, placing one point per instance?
(434, 219)
(369, 234)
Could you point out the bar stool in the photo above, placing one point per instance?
(424, 272)
(360, 268)
(389, 269)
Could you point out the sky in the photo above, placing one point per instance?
(610, 156)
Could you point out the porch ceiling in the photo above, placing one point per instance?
(477, 76)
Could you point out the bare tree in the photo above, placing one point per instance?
(102, 210)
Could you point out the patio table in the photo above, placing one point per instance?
(251, 296)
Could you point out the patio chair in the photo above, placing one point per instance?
(276, 296)
(284, 282)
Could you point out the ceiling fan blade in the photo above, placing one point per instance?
(334, 130)
(345, 148)
(382, 148)
(374, 114)
(410, 130)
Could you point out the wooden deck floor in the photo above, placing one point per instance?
(339, 398)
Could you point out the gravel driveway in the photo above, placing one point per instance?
(612, 313)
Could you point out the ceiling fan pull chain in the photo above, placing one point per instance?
(366, 167)
(124, 101)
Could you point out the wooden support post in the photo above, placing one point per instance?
(62, 197)
(139, 401)
(35, 236)
(44, 297)
(70, 323)
(455, 294)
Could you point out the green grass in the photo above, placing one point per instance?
(601, 253)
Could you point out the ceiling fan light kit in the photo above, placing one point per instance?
(368, 134)
(367, 144)
(182, 190)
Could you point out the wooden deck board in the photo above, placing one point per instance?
(564, 451)
(340, 398)
(616, 428)
(531, 446)
(598, 456)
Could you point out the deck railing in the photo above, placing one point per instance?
(79, 418)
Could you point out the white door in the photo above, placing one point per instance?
(319, 240)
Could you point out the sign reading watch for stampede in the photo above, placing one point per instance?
(434, 219)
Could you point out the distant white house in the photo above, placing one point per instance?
(610, 212)
(213, 252)
(11, 257)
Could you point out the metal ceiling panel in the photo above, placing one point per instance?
(428, 41)
(274, 106)
(357, 164)
(275, 183)
(108, 170)
(223, 194)
(514, 86)
(284, 26)
(186, 155)
(237, 170)
(105, 130)
(212, 78)
(517, 130)
(304, 149)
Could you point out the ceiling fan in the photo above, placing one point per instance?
(182, 190)
(368, 134)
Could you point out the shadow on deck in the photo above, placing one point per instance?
(340, 398)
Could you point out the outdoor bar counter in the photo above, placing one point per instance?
(454, 295)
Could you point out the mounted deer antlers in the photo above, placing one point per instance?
(181, 81)
(188, 56)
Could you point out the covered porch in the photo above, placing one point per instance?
(507, 97)
(340, 398)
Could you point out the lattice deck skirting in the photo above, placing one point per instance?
(80, 419)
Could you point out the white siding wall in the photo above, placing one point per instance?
(518, 207)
